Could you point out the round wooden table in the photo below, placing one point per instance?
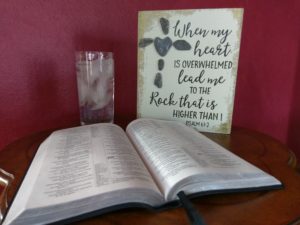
(276, 207)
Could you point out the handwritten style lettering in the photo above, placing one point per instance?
(157, 101)
(182, 78)
(187, 31)
(219, 50)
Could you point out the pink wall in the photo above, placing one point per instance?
(38, 40)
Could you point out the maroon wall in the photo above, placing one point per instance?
(38, 40)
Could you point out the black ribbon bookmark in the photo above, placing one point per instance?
(193, 215)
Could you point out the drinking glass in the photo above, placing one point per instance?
(95, 82)
(5, 181)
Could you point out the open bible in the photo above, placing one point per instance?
(98, 168)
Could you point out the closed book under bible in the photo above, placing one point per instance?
(94, 169)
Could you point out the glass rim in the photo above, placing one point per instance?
(94, 52)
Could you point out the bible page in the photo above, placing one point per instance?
(166, 160)
(183, 159)
(85, 169)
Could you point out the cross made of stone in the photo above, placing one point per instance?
(162, 46)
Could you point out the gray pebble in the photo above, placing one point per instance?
(182, 45)
(164, 23)
(161, 64)
(158, 80)
(145, 42)
(162, 46)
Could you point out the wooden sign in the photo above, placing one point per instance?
(187, 66)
